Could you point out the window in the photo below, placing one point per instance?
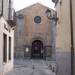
(20, 16)
(4, 48)
(37, 19)
(9, 48)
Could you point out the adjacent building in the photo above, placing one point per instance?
(65, 40)
(35, 33)
(7, 24)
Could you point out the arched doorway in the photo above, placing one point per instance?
(37, 49)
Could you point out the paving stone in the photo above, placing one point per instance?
(31, 67)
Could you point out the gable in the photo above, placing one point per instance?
(36, 6)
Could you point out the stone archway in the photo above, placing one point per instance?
(37, 49)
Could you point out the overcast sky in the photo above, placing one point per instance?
(20, 4)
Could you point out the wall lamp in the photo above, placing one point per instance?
(50, 16)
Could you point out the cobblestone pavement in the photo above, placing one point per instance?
(31, 67)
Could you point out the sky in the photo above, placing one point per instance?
(20, 4)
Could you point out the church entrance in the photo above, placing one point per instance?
(37, 49)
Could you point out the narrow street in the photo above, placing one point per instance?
(32, 67)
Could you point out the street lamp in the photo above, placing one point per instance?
(50, 16)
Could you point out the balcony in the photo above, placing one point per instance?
(11, 17)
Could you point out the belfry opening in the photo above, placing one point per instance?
(37, 49)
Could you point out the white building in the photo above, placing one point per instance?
(6, 36)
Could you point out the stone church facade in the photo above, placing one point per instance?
(35, 33)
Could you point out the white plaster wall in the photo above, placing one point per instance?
(1, 46)
(5, 67)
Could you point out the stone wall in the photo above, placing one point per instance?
(28, 30)
(73, 15)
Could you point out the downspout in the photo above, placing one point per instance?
(2, 9)
(9, 9)
(72, 45)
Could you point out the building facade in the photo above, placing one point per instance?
(6, 36)
(65, 40)
(35, 33)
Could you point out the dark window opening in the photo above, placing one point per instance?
(9, 48)
(4, 48)
(37, 19)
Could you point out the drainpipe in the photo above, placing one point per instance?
(9, 9)
(72, 43)
(2, 9)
